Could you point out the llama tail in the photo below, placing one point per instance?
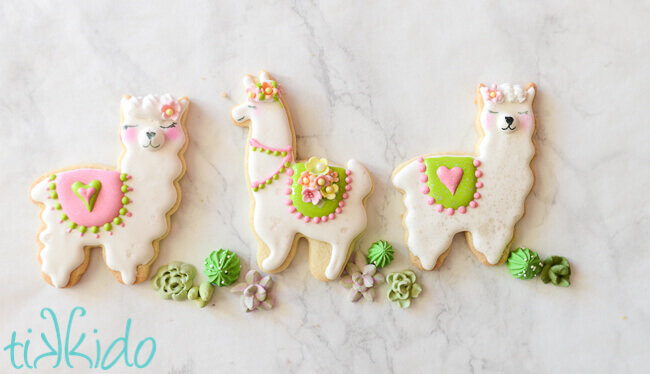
(405, 174)
(361, 178)
(39, 190)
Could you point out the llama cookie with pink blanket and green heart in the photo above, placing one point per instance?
(124, 211)
(480, 194)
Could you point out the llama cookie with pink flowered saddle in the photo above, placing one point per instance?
(290, 199)
(480, 194)
(124, 211)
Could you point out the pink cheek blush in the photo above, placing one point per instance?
(488, 120)
(524, 120)
(129, 135)
(172, 134)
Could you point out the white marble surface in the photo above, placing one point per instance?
(379, 83)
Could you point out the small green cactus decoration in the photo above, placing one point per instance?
(557, 271)
(524, 263)
(222, 267)
(381, 254)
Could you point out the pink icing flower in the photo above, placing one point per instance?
(493, 94)
(171, 110)
(253, 91)
(334, 175)
(311, 195)
(322, 181)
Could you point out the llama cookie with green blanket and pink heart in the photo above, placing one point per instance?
(480, 194)
(124, 211)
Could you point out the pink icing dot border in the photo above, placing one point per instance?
(438, 207)
(317, 220)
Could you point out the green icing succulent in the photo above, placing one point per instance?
(402, 288)
(524, 263)
(201, 294)
(174, 281)
(381, 254)
(222, 267)
(557, 271)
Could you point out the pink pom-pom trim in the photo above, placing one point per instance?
(431, 200)
(289, 171)
(440, 208)
(425, 189)
(338, 210)
(348, 172)
(450, 211)
(477, 162)
(345, 195)
(473, 204)
(462, 210)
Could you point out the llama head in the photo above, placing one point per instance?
(506, 109)
(263, 99)
(152, 123)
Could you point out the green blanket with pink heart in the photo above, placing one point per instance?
(451, 182)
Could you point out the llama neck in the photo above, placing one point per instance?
(505, 163)
(152, 178)
(272, 130)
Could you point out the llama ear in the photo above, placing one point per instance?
(248, 81)
(531, 90)
(264, 76)
(185, 103)
(481, 92)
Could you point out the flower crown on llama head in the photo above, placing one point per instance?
(505, 92)
(266, 90)
(163, 107)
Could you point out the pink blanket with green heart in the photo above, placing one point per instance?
(90, 197)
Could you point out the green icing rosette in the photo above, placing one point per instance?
(381, 254)
(557, 271)
(524, 263)
(174, 281)
(222, 267)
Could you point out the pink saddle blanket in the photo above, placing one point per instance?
(87, 202)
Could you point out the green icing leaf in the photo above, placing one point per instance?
(325, 207)
(222, 267)
(466, 187)
(557, 271)
(81, 190)
(524, 263)
(381, 254)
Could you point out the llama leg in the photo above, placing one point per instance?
(126, 259)
(279, 246)
(338, 259)
(490, 242)
(429, 243)
(62, 253)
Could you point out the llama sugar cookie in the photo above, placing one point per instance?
(291, 199)
(482, 195)
(125, 211)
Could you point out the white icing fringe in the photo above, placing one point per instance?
(145, 107)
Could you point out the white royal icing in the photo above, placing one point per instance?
(153, 172)
(507, 178)
(273, 224)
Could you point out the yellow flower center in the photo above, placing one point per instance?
(169, 111)
(251, 95)
(493, 94)
(268, 90)
(329, 189)
(321, 181)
